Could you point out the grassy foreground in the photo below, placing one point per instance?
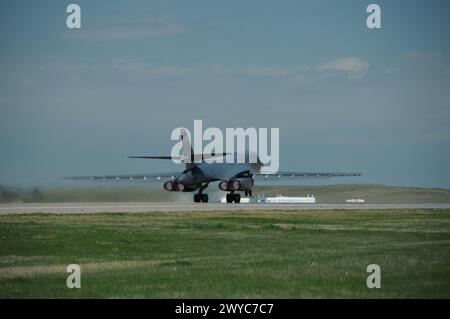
(227, 254)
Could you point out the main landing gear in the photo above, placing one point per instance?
(236, 198)
(200, 197)
(231, 197)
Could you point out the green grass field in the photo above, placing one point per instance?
(304, 254)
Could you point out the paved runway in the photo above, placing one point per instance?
(65, 208)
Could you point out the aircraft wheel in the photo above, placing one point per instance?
(237, 198)
(204, 198)
(229, 198)
(197, 198)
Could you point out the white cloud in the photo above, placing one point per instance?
(138, 67)
(146, 28)
(258, 71)
(346, 65)
(268, 71)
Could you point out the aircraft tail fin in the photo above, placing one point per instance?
(188, 152)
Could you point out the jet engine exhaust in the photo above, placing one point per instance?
(242, 184)
(223, 185)
(236, 185)
(169, 186)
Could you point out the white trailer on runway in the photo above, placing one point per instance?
(279, 199)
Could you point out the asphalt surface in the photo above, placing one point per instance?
(66, 208)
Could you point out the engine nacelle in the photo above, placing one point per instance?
(243, 184)
(238, 184)
(172, 186)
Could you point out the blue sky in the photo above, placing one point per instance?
(345, 98)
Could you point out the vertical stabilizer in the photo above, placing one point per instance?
(188, 152)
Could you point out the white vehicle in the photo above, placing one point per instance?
(355, 200)
(291, 200)
(279, 199)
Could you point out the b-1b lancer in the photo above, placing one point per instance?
(199, 172)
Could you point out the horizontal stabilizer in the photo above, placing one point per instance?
(156, 157)
(194, 157)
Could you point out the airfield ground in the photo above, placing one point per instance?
(138, 193)
(265, 254)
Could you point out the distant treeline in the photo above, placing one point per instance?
(15, 194)
(332, 194)
(12, 194)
